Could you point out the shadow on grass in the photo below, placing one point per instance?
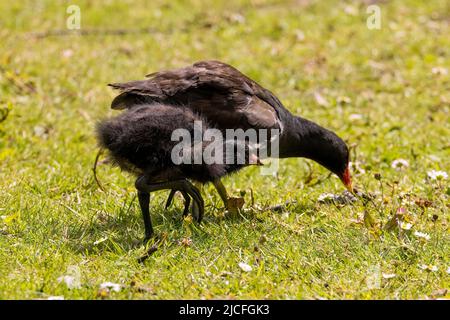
(123, 230)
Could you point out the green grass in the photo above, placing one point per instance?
(54, 215)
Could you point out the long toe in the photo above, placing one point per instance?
(187, 202)
(198, 206)
(170, 198)
(195, 211)
(147, 239)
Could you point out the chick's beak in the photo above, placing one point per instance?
(347, 179)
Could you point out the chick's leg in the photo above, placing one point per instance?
(145, 187)
(144, 202)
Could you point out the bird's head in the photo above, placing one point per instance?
(333, 154)
(325, 147)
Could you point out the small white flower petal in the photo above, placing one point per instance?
(389, 275)
(437, 175)
(422, 235)
(428, 267)
(439, 71)
(343, 100)
(326, 196)
(245, 267)
(434, 158)
(400, 164)
(406, 225)
(355, 117)
(100, 241)
(111, 286)
(70, 281)
(55, 298)
(320, 99)
(67, 53)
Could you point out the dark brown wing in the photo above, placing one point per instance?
(218, 91)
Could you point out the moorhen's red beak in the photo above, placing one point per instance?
(347, 179)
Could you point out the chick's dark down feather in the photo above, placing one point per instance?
(139, 141)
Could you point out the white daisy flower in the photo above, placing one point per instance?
(406, 199)
(70, 281)
(434, 158)
(350, 10)
(355, 117)
(111, 286)
(439, 71)
(437, 175)
(433, 268)
(67, 53)
(245, 267)
(326, 197)
(399, 164)
(428, 267)
(405, 225)
(344, 100)
(422, 235)
(321, 101)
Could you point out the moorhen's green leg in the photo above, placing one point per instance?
(222, 191)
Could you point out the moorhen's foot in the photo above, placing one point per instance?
(183, 185)
(147, 238)
(170, 198)
(155, 237)
(187, 201)
(196, 212)
(198, 206)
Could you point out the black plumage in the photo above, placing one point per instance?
(139, 141)
(227, 99)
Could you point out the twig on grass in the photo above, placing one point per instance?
(94, 169)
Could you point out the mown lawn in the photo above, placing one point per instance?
(386, 92)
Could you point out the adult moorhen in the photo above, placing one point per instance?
(228, 99)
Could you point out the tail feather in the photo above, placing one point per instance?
(126, 100)
(134, 93)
